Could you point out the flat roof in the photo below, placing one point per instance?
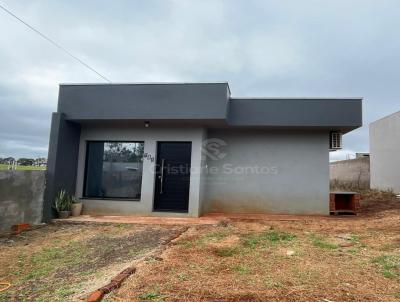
(205, 101)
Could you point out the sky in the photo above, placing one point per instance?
(325, 48)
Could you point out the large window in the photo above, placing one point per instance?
(114, 170)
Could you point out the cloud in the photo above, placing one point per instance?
(263, 48)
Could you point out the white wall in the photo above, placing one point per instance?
(384, 137)
(150, 136)
(293, 174)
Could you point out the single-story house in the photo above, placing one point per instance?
(187, 149)
(384, 145)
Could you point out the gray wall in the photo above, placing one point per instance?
(352, 173)
(293, 174)
(62, 160)
(334, 114)
(21, 197)
(384, 136)
(144, 101)
(149, 136)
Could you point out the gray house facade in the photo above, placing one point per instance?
(187, 149)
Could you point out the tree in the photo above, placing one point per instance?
(8, 160)
(25, 161)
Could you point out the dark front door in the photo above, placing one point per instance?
(172, 176)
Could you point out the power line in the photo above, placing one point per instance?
(54, 43)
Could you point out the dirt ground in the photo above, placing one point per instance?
(312, 259)
(65, 262)
(339, 259)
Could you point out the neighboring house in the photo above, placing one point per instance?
(189, 149)
(384, 139)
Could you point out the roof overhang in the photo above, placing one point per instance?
(206, 104)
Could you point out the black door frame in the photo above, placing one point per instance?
(156, 179)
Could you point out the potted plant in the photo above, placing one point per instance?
(76, 206)
(62, 204)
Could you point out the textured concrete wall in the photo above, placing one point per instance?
(21, 197)
(268, 172)
(61, 161)
(384, 137)
(350, 173)
(150, 136)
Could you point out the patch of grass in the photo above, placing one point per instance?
(187, 243)
(202, 240)
(226, 251)
(242, 269)
(212, 237)
(5, 167)
(48, 260)
(135, 252)
(87, 273)
(252, 241)
(37, 273)
(64, 291)
(123, 226)
(321, 242)
(153, 295)
(354, 238)
(275, 236)
(272, 237)
(389, 265)
(353, 251)
(271, 283)
(182, 277)
(5, 297)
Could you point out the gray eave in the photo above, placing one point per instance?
(336, 113)
(205, 103)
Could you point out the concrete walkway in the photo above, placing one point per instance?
(211, 218)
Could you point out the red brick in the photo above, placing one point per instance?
(96, 296)
(18, 228)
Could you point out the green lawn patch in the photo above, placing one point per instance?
(6, 167)
(267, 238)
(322, 242)
(389, 265)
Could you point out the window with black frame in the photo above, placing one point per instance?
(114, 170)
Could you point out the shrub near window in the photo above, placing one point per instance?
(62, 204)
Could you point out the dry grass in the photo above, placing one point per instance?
(64, 262)
(340, 259)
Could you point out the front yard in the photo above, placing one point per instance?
(65, 262)
(345, 259)
(315, 259)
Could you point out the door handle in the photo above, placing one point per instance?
(162, 176)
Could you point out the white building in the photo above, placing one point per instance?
(384, 138)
